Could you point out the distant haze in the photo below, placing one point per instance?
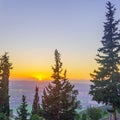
(19, 88)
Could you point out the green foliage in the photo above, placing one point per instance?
(3, 116)
(22, 110)
(94, 113)
(35, 117)
(105, 86)
(59, 99)
(84, 116)
(77, 116)
(105, 114)
(5, 67)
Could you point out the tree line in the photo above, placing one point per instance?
(59, 99)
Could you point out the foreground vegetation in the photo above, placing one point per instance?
(59, 100)
(106, 79)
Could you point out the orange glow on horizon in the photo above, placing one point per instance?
(40, 76)
(29, 75)
(30, 72)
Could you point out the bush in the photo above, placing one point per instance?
(36, 117)
(94, 113)
(3, 116)
(84, 116)
(105, 113)
(77, 116)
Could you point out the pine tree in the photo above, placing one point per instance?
(106, 79)
(5, 67)
(36, 105)
(59, 99)
(22, 110)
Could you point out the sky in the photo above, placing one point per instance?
(31, 30)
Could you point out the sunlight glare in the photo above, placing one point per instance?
(38, 77)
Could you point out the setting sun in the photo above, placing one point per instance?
(38, 76)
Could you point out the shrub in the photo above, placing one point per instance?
(105, 113)
(94, 113)
(3, 116)
(77, 116)
(84, 116)
(36, 117)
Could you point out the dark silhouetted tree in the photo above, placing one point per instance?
(106, 80)
(36, 105)
(5, 67)
(59, 99)
(22, 110)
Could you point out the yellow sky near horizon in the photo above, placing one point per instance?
(38, 70)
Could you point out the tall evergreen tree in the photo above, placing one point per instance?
(36, 105)
(59, 99)
(106, 79)
(22, 110)
(5, 67)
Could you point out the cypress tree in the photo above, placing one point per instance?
(5, 67)
(59, 99)
(36, 105)
(106, 79)
(22, 110)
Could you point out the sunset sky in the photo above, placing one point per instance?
(30, 30)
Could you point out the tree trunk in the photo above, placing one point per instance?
(113, 114)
